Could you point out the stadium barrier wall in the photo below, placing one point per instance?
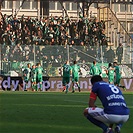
(54, 84)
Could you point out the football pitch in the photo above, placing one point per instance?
(50, 112)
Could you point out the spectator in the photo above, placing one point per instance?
(57, 28)
(119, 53)
(110, 55)
(21, 34)
(60, 60)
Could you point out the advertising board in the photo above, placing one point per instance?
(54, 84)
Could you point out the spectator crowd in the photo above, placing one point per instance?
(51, 31)
(30, 39)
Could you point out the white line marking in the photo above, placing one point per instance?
(75, 101)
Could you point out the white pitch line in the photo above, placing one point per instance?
(75, 101)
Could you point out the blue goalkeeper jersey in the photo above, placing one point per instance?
(111, 97)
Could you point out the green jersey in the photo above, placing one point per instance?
(110, 75)
(117, 72)
(117, 75)
(66, 70)
(39, 71)
(95, 70)
(33, 75)
(75, 70)
(27, 72)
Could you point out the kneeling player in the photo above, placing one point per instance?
(114, 111)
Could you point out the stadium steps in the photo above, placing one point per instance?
(116, 33)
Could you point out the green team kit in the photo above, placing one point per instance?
(35, 75)
(39, 72)
(33, 78)
(66, 74)
(75, 73)
(67, 71)
(95, 70)
(111, 75)
(117, 75)
(26, 73)
(75, 76)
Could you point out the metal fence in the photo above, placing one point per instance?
(15, 58)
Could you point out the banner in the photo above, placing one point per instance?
(55, 84)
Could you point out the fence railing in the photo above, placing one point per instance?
(117, 33)
(15, 58)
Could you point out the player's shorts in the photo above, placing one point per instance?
(99, 114)
(75, 79)
(117, 80)
(33, 80)
(26, 79)
(111, 79)
(39, 79)
(65, 80)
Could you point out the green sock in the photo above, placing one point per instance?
(41, 87)
(36, 87)
(78, 85)
(66, 88)
(32, 86)
(73, 89)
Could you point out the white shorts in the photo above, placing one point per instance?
(99, 114)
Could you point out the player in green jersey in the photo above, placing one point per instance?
(33, 78)
(75, 76)
(39, 72)
(26, 75)
(95, 70)
(66, 76)
(118, 75)
(110, 73)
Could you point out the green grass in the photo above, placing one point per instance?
(50, 112)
